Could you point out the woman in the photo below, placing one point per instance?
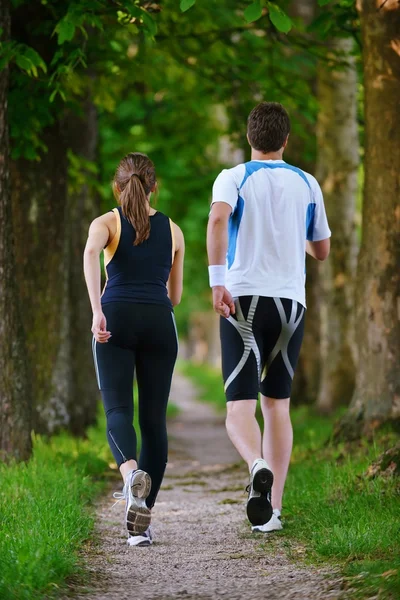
(134, 329)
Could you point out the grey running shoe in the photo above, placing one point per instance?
(136, 489)
(259, 507)
(143, 539)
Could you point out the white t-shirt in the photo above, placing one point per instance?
(275, 208)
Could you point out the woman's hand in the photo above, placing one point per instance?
(99, 328)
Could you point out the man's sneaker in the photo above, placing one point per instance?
(259, 508)
(274, 524)
(135, 491)
(143, 539)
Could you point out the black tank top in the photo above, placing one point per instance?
(139, 273)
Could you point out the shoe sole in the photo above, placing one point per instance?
(269, 531)
(138, 515)
(259, 509)
(141, 544)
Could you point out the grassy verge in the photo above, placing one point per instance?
(337, 513)
(46, 514)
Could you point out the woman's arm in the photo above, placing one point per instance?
(97, 239)
(175, 281)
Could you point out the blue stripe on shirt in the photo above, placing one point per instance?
(233, 230)
(253, 166)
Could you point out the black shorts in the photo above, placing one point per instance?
(260, 347)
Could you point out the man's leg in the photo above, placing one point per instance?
(243, 429)
(277, 443)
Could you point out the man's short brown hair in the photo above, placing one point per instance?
(268, 126)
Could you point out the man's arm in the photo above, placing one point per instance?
(319, 250)
(217, 246)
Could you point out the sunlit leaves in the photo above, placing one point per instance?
(279, 18)
(25, 57)
(186, 4)
(65, 30)
(253, 11)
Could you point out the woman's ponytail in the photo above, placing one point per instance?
(134, 179)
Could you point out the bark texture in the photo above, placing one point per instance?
(15, 405)
(84, 206)
(308, 370)
(337, 173)
(377, 395)
(39, 196)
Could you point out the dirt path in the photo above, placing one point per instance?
(203, 546)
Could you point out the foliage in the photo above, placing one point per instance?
(174, 80)
(330, 505)
(45, 513)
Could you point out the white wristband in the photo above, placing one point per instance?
(217, 275)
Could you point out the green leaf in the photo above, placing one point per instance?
(23, 62)
(65, 30)
(186, 4)
(53, 95)
(35, 58)
(323, 2)
(279, 18)
(253, 12)
(149, 23)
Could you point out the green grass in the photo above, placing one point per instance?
(46, 515)
(330, 507)
(46, 512)
(208, 380)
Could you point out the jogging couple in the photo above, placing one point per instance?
(265, 216)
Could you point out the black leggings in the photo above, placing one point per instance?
(143, 338)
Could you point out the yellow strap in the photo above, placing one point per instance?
(111, 249)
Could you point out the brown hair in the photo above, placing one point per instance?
(268, 126)
(134, 179)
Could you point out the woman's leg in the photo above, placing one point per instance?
(114, 368)
(155, 361)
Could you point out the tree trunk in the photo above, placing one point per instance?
(39, 195)
(15, 405)
(84, 206)
(307, 376)
(376, 399)
(337, 173)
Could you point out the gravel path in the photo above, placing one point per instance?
(203, 549)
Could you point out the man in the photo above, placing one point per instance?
(265, 215)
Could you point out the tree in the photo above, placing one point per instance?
(50, 132)
(83, 207)
(15, 405)
(337, 172)
(376, 397)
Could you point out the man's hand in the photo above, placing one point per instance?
(99, 328)
(222, 301)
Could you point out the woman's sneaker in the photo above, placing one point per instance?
(143, 539)
(274, 524)
(259, 508)
(136, 489)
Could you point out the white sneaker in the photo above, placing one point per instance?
(135, 491)
(259, 508)
(274, 524)
(144, 539)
